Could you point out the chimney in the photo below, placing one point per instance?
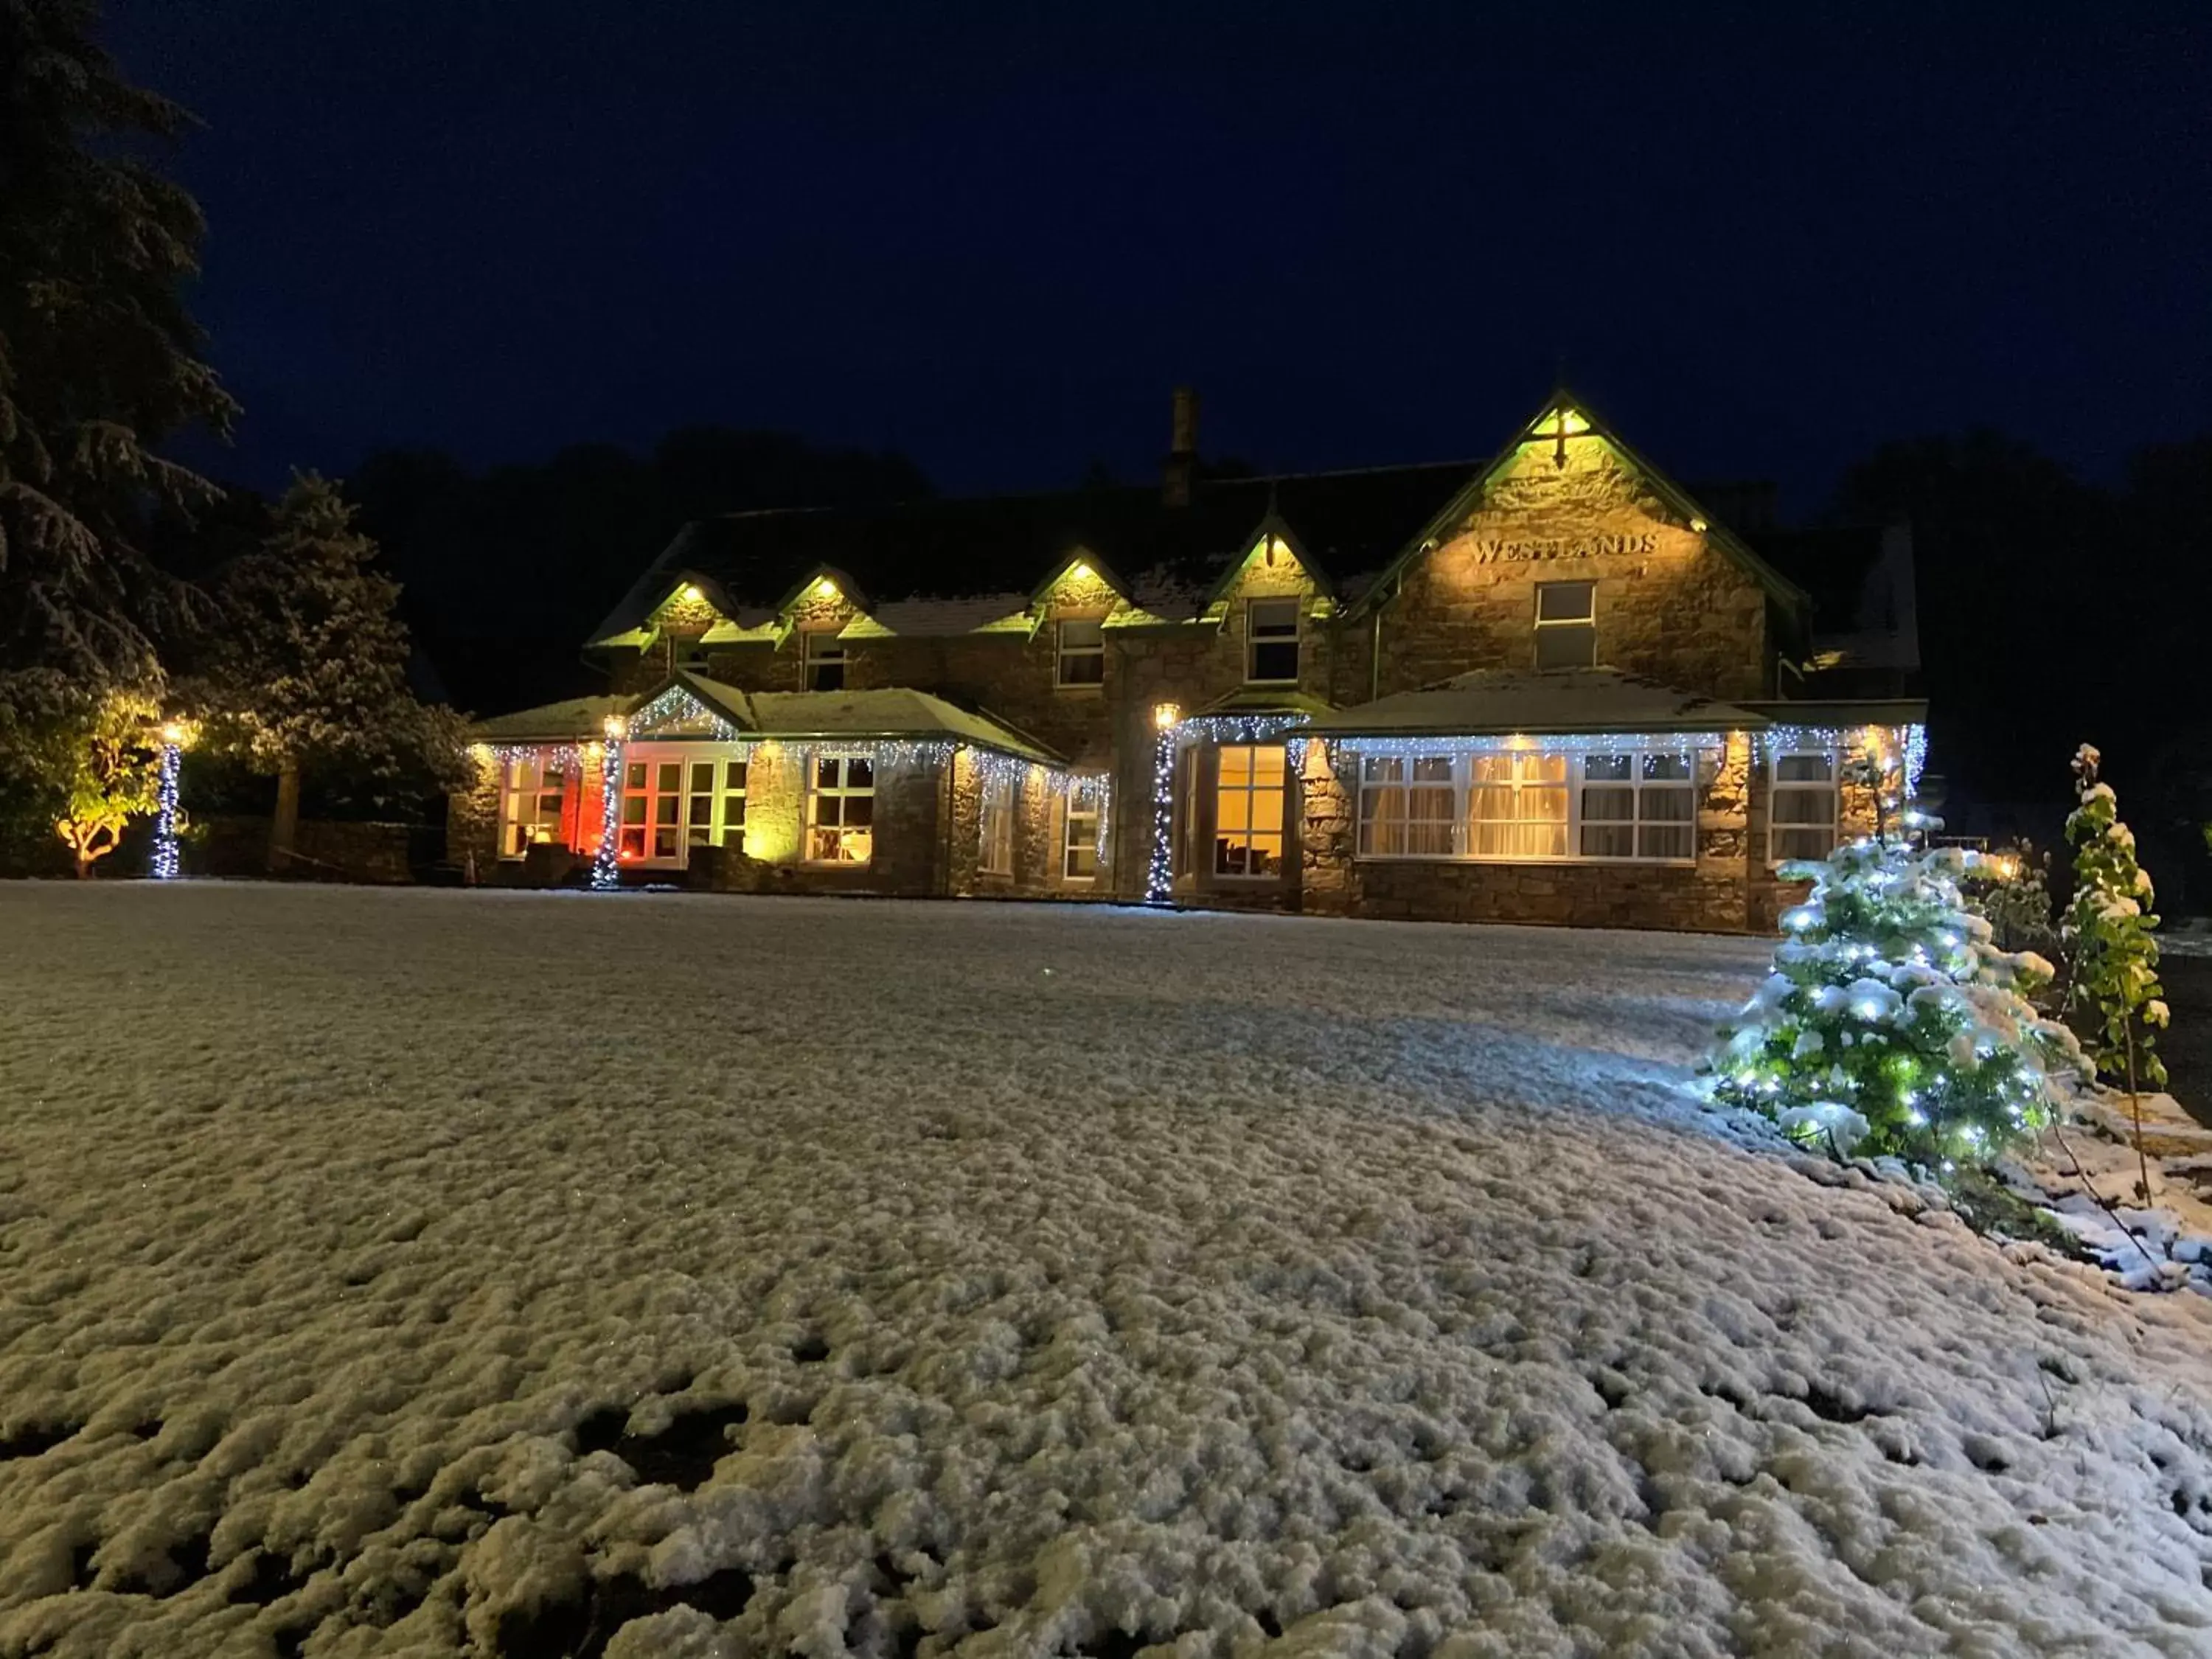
(1182, 452)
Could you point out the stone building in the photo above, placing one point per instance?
(1549, 688)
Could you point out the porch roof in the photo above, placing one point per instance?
(575, 720)
(1498, 703)
(892, 714)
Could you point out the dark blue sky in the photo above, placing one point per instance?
(1761, 243)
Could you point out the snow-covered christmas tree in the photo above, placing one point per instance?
(1891, 1024)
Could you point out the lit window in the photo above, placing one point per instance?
(529, 802)
(1081, 659)
(840, 809)
(1271, 639)
(730, 828)
(821, 660)
(652, 810)
(1408, 808)
(1566, 625)
(1248, 811)
(1638, 806)
(1516, 807)
(997, 858)
(1801, 818)
(1078, 855)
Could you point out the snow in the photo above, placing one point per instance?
(372, 1265)
(1574, 700)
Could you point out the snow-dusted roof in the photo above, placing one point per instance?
(927, 618)
(889, 712)
(1493, 701)
(551, 722)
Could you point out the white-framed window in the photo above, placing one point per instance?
(1250, 790)
(1079, 844)
(1271, 641)
(730, 828)
(1805, 808)
(1566, 625)
(1518, 805)
(997, 827)
(1642, 806)
(821, 660)
(1409, 807)
(714, 803)
(840, 809)
(652, 809)
(530, 796)
(1080, 657)
(1530, 806)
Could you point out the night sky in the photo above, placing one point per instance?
(1759, 245)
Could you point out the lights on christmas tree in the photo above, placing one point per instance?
(167, 863)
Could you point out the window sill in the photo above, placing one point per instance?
(1081, 687)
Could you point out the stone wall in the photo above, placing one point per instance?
(325, 849)
(1670, 604)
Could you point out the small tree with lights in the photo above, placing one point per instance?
(1891, 1024)
(92, 762)
(2112, 948)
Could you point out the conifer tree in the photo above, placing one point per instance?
(1891, 1024)
(2110, 946)
(99, 362)
(309, 666)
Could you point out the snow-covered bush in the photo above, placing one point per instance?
(2011, 887)
(1891, 1023)
(2110, 947)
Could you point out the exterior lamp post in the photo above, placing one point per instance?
(606, 866)
(167, 865)
(1159, 876)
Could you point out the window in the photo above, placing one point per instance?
(1802, 821)
(1078, 850)
(1566, 625)
(1271, 641)
(1638, 806)
(840, 809)
(1081, 659)
(1516, 807)
(822, 660)
(530, 803)
(731, 830)
(997, 825)
(1524, 806)
(1408, 808)
(1248, 811)
(652, 809)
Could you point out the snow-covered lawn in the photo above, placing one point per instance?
(432, 1273)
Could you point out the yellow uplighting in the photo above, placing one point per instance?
(692, 595)
(1571, 421)
(1165, 714)
(825, 589)
(1700, 526)
(176, 733)
(1079, 572)
(616, 726)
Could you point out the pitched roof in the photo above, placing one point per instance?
(1345, 523)
(1468, 499)
(567, 722)
(1496, 702)
(892, 713)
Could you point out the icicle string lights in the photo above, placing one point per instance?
(606, 862)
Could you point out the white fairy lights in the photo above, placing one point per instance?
(606, 862)
(167, 865)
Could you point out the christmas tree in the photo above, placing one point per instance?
(1891, 1024)
(2110, 943)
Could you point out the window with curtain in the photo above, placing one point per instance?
(1802, 815)
(1516, 805)
(1408, 806)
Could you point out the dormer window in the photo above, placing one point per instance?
(1080, 659)
(1271, 641)
(822, 661)
(1566, 625)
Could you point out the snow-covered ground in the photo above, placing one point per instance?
(432, 1273)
